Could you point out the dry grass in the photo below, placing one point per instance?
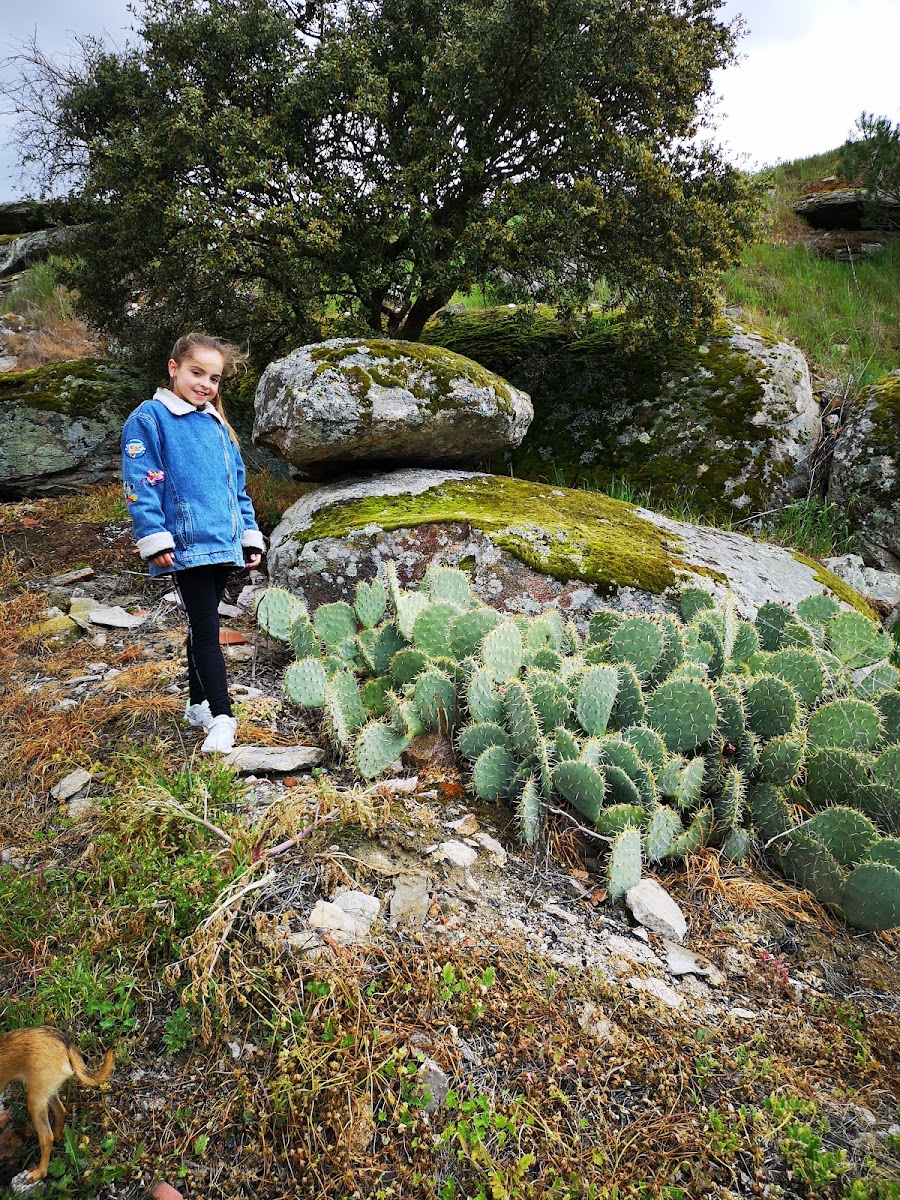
(60, 342)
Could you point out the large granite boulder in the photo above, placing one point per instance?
(727, 424)
(60, 426)
(525, 546)
(349, 402)
(832, 204)
(24, 251)
(865, 474)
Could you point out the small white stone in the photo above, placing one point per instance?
(653, 907)
(457, 854)
(493, 847)
(71, 784)
(658, 989)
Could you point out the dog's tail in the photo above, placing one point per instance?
(83, 1075)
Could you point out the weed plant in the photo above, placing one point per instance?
(39, 297)
(842, 315)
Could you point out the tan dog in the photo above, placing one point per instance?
(42, 1059)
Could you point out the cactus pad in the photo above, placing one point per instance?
(276, 610)
(663, 828)
(835, 776)
(549, 696)
(818, 609)
(629, 707)
(615, 817)
(431, 628)
(482, 698)
(648, 744)
(370, 603)
(846, 833)
(771, 620)
(582, 785)
(638, 641)
(530, 814)
(845, 724)
(802, 670)
(305, 682)
(769, 811)
(623, 869)
(695, 600)
(493, 773)
(596, 694)
(469, 629)
(448, 583)
(621, 788)
(771, 706)
(435, 699)
(811, 864)
(522, 720)
(856, 641)
(407, 664)
(502, 652)
(780, 760)
(683, 712)
(475, 739)
(376, 748)
(872, 896)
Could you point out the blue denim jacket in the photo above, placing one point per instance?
(184, 485)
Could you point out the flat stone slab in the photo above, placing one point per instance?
(71, 785)
(115, 618)
(653, 907)
(247, 760)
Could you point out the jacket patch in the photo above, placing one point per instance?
(135, 448)
(155, 477)
(130, 494)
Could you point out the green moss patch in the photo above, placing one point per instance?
(559, 532)
(85, 387)
(677, 422)
(386, 364)
(842, 590)
(886, 434)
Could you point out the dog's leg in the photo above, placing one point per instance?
(37, 1110)
(59, 1115)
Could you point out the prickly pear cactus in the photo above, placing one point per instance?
(778, 736)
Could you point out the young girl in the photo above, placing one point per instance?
(184, 487)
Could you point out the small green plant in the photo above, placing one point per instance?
(799, 1129)
(183, 1027)
(39, 296)
(813, 526)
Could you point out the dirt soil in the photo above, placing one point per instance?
(579, 1061)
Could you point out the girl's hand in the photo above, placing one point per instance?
(251, 561)
(165, 559)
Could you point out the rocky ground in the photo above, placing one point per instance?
(380, 992)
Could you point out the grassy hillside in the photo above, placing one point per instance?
(842, 315)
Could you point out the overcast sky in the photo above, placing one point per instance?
(809, 68)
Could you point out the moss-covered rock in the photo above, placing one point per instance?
(526, 545)
(60, 425)
(350, 401)
(865, 473)
(726, 423)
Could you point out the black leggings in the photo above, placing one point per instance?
(201, 589)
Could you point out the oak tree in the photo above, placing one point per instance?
(267, 169)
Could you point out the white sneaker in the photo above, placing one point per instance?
(220, 738)
(198, 715)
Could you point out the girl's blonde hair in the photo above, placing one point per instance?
(233, 357)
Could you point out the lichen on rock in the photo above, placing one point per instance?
(60, 425)
(865, 473)
(349, 401)
(728, 422)
(526, 545)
